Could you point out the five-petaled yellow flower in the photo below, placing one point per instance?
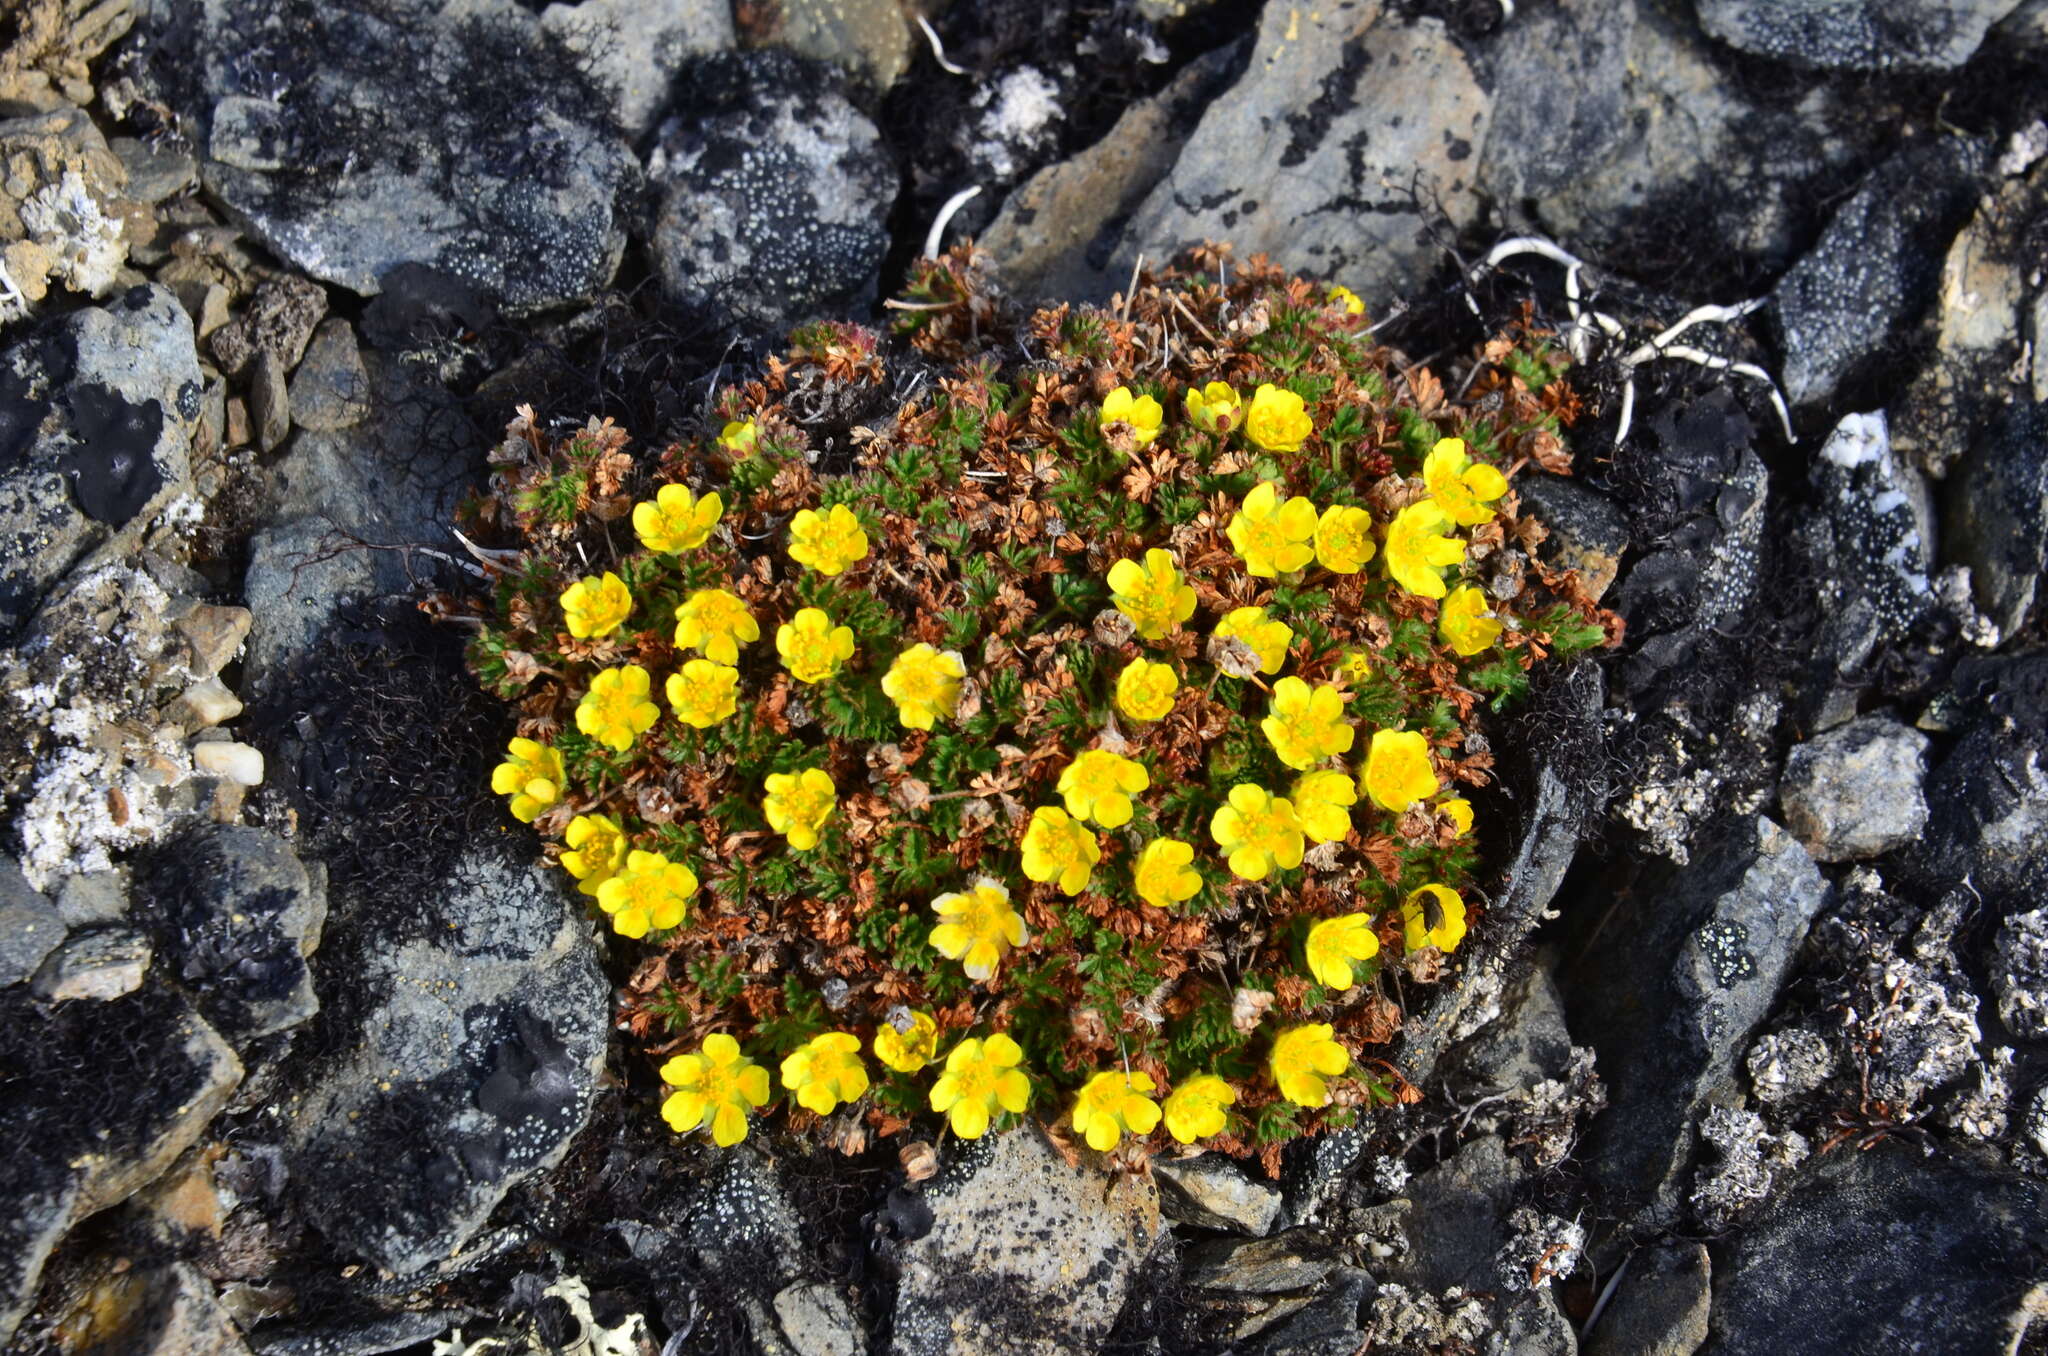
(910, 1046)
(1397, 769)
(1141, 414)
(1144, 690)
(1418, 550)
(1154, 595)
(650, 891)
(1110, 1104)
(977, 927)
(715, 623)
(1098, 785)
(925, 685)
(1466, 623)
(594, 607)
(1268, 636)
(825, 1071)
(1306, 724)
(532, 775)
(739, 437)
(1270, 537)
(798, 804)
(1355, 666)
(703, 693)
(1165, 874)
(981, 1075)
(1059, 848)
(1323, 801)
(1433, 915)
(1344, 541)
(1461, 487)
(812, 648)
(1195, 1108)
(596, 850)
(828, 542)
(1277, 420)
(1216, 407)
(1257, 831)
(1304, 1060)
(676, 520)
(1335, 945)
(616, 711)
(1460, 812)
(716, 1087)
(1340, 295)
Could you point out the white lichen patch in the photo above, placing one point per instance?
(84, 243)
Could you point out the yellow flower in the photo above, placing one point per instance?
(812, 648)
(1323, 801)
(1433, 915)
(1144, 690)
(1344, 539)
(798, 804)
(1270, 537)
(676, 520)
(1341, 295)
(739, 438)
(825, 1071)
(1276, 420)
(1336, 944)
(1306, 724)
(717, 1087)
(980, 1076)
(1060, 848)
(827, 542)
(595, 607)
(715, 623)
(1466, 623)
(910, 1047)
(704, 693)
(1304, 1059)
(1216, 407)
(1141, 413)
(616, 711)
(1397, 770)
(1165, 873)
(1258, 831)
(925, 685)
(1098, 785)
(650, 892)
(1418, 550)
(1195, 1111)
(532, 775)
(1268, 637)
(977, 927)
(1461, 487)
(1109, 1104)
(1355, 666)
(1153, 595)
(1460, 811)
(597, 849)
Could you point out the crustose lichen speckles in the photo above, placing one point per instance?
(1726, 947)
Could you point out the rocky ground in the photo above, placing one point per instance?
(302, 1054)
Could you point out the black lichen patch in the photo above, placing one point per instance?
(532, 1091)
(112, 470)
(229, 948)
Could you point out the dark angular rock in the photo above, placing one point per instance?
(1854, 792)
(1327, 1325)
(1997, 521)
(1660, 1308)
(30, 926)
(1213, 1192)
(1588, 533)
(1857, 35)
(331, 389)
(1295, 1260)
(1988, 799)
(270, 405)
(279, 320)
(1559, 95)
(99, 963)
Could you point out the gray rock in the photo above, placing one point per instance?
(100, 405)
(270, 406)
(1295, 1260)
(817, 1321)
(331, 389)
(742, 1216)
(1660, 1308)
(631, 50)
(467, 1066)
(61, 208)
(298, 574)
(1875, 269)
(154, 172)
(2019, 975)
(1559, 96)
(1310, 157)
(30, 926)
(1212, 1191)
(1328, 1325)
(1934, 1250)
(1988, 800)
(1588, 533)
(1855, 792)
(279, 319)
(869, 39)
(167, 1310)
(774, 189)
(92, 898)
(1026, 1254)
(1857, 35)
(1523, 1045)
(100, 963)
(1456, 1219)
(394, 138)
(1749, 1160)
(1668, 1039)
(1997, 520)
(97, 1100)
